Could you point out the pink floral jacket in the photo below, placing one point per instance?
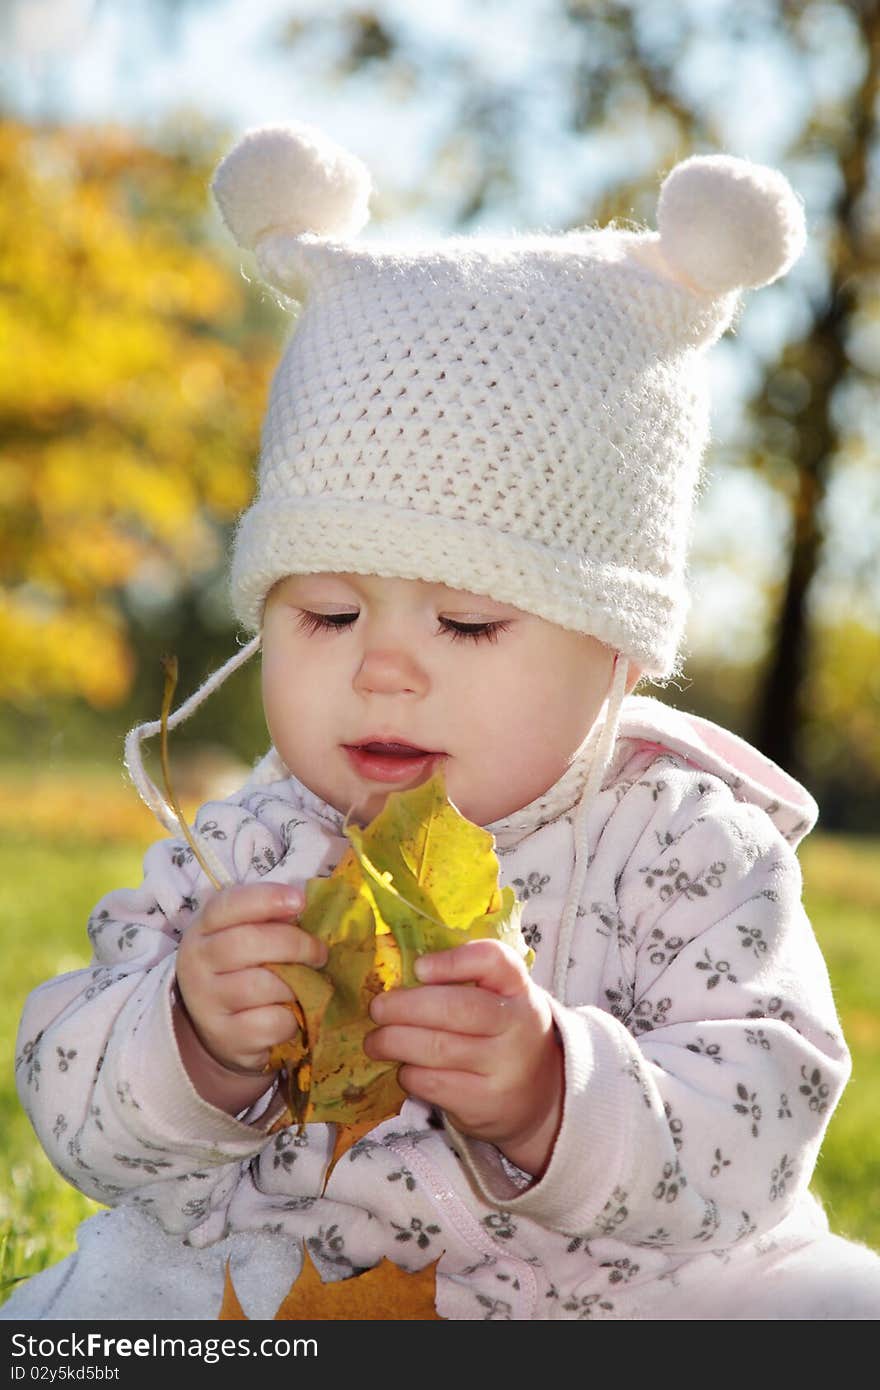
(703, 1056)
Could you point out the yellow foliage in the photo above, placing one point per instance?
(131, 395)
(56, 652)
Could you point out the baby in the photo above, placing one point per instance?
(477, 478)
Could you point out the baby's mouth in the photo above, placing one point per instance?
(392, 761)
(394, 750)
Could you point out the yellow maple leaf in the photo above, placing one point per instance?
(420, 877)
(431, 876)
(329, 1076)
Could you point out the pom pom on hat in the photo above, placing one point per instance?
(727, 224)
(291, 179)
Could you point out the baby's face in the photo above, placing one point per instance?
(500, 698)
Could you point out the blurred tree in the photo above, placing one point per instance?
(805, 393)
(131, 390)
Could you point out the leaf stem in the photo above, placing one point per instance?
(169, 666)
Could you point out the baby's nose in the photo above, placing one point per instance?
(391, 671)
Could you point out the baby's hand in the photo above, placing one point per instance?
(235, 1006)
(477, 1038)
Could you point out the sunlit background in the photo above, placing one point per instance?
(136, 347)
(125, 457)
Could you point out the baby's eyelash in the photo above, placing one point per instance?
(458, 632)
(325, 622)
(473, 632)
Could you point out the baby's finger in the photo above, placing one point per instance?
(275, 943)
(257, 1030)
(424, 1047)
(251, 989)
(251, 902)
(490, 964)
(458, 1008)
(459, 1093)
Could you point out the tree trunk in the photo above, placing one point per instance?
(781, 702)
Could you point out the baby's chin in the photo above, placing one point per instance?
(479, 811)
(365, 810)
(360, 803)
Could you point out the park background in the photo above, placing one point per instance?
(136, 346)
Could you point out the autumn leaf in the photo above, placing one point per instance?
(329, 1076)
(420, 877)
(231, 1309)
(431, 875)
(384, 1293)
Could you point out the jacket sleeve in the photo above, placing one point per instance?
(698, 1093)
(97, 1065)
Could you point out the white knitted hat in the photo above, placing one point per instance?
(522, 417)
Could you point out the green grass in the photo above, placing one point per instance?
(50, 885)
(842, 895)
(49, 890)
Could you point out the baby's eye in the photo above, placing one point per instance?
(325, 622)
(450, 627)
(473, 632)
